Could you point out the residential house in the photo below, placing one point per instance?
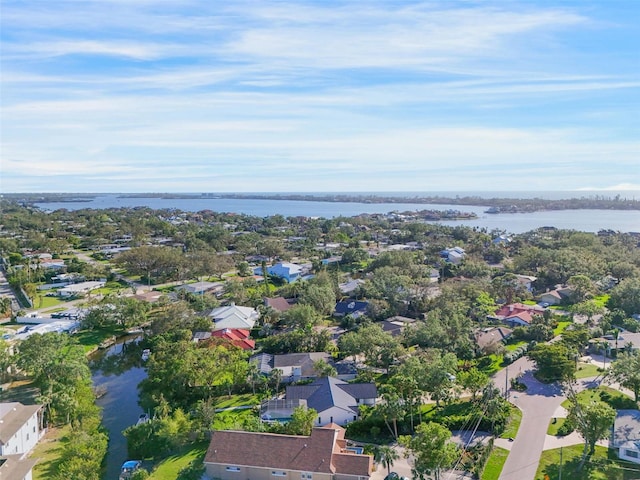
(453, 255)
(20, 428)
(336, 401)
(396, 325)
(526, 281)
(279, 304)
(501, 240)
(517, 314)
(323, 455)
(288, 271)
(151, 296)
(15, 467)
(233, 316)
(354, 308)
(199, 288)
(333, 260)
(236, 336)
(78, 289)
(626, 341)
(556, 296)
(350, 286)
(488, 337)
(294, 366)
(626, 435)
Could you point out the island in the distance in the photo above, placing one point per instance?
(495, 204)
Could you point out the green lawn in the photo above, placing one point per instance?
(237, 401)
(42, 301)
(493, 468)
(513, 346)
(47, 451)
(601, 300)
(586, 370)
(169, 468)
(613, 397)
(554, 427)
(494, 366)
(562, 326)
(90, 339)
(603, 465)
(513, 424)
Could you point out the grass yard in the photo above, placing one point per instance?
(42, 301)
(616, 399)
(493, 468)
(494, 366)
(47, 451)
(237, 401)
(169, 468)
(586, 370)
(554, 427)
(90, 339)
(562, 326)
(603, 465)
(513, 424)
(513, 346)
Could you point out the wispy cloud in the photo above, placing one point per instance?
(233, 94)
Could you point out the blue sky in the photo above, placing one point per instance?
(160, 95)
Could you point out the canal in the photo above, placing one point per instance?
(116, 372)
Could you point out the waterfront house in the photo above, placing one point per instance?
(20, 428)
(323, 455)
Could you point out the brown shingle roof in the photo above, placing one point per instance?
(314, 453)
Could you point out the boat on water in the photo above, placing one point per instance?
(146, 353)
(128, 468)
(144, 418)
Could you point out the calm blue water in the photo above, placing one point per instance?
(583, 220)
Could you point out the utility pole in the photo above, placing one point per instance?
(560, 471)
(506, 384)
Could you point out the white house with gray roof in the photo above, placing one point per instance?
(626, 435)
(20, 428)
(336, 401)
(233, 316)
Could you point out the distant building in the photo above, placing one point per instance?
(236, 336)
(288, 271)
(453, 255)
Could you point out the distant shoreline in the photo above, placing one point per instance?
(496, 204)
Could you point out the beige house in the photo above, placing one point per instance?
(323, 455)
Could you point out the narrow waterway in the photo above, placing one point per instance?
(117, 372)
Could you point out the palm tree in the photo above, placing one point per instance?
(386, 455)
